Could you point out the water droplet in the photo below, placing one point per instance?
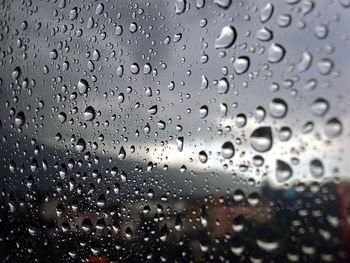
(203, 157)
(241, 120)
(180, 6)
(241, 64)
(99, 9)
(80, 146)
(283, 171)
(134, 68)
(344, 3)
(223, 86)
(83, 86)
(305, 62)
(153, 110)
(62, 117)
(89, 113)
(275, 53)
(321, 31)
(319, 107)
(223, 110)
(260, 114)
(284, 134)
(278, 108)
(147, 68)
(122, 153)
(333, 128)
(264, 34)
(261, 139)
(266, 12)
(267, 246)
(227, 150)
(203, 111)
(119, 30)
(284, 20)
(180, 143)
(73, 13)
(316, 168)
(120, 71)
(226, 38)
(53, 54)
(16, 73)
(325, 66)
(20, 119)
(96, 55)
(204, 82)
(223, 3)
(133, 27)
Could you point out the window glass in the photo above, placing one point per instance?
(174, 131)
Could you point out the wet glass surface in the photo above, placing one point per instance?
(174, 131)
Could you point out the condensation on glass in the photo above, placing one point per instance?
(174, 131)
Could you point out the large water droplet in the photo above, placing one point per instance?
(283, 171)
(180, 6)
(226, 38)
(275, 53)
(204, 82)
(261, 139)
(264, 34)
(82, 86)
(202, 156)
(319, 107)
(223, 3)
(20, 119)
(325, 66)
(99, 9)
(333, 128)
(80, 146)
(153, 110)
(223, 86)
(241, 64)
(89, 113)
(305, 62)
(62, 117)
(180, 143)
(203, 111)
(284, 134)
(316, 168)
(227, 150)
(278, 108)
(266, 12)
